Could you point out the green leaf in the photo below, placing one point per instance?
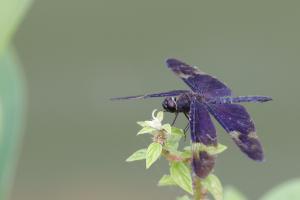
(177, 131)
(1, 122)
(138, 155)
(186, 154)
(212, 150)
(153, 153)
(146, 130)
(12, 12)
(166, 180)
(172, 142)
(182, 176)
(214, 186)
(185, 197)
(231, 193)
(160, 115)
(289, 190)
(167, 127)
(188, 148)
(12, 97)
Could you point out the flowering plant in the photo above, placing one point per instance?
(165, 143)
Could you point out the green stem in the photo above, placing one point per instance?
(200, 193)
(173, 157)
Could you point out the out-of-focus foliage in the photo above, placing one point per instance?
(12, 100)
(1, 122)
(12, 12)
(230, 193)
(11, 93)
(289, 190)
(214, 186)
(185, 197)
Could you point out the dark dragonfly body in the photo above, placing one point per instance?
(209, 96)
(183, 101)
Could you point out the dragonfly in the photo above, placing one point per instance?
(207, 97)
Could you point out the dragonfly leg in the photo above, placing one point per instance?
(174, 120)
(187, 126)
(187, 116)
(186, 129)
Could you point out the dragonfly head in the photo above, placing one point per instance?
(169, 104)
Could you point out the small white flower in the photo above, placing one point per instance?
(156, 120)
(155, 124)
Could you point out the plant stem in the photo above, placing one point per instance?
(199, 192)
(173, 157)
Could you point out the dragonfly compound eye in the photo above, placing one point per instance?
(169, 104)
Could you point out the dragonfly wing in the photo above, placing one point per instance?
(203, 132)
(237, 122)
(202, 128)
(197, 80)
(160, 94)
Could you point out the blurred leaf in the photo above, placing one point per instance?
(138, 155)
(166, 180)
(231, 193)
(146, 130)
(287, 191)
(188, 148)
(177, 131)
(1, 122)
(172, 142)
(185, 197)
(186, 154)
(214, 150)
(167, 127)
(153, 153)
(214, 186)
(12, 12)
(12, 101)
(181, 174)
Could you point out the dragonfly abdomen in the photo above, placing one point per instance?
(240, 99)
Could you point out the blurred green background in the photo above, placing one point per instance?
(78, 54)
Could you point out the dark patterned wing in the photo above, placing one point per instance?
(202, 128)
(160, 94)
(197, 80)
(236, 121)
(203, 132)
